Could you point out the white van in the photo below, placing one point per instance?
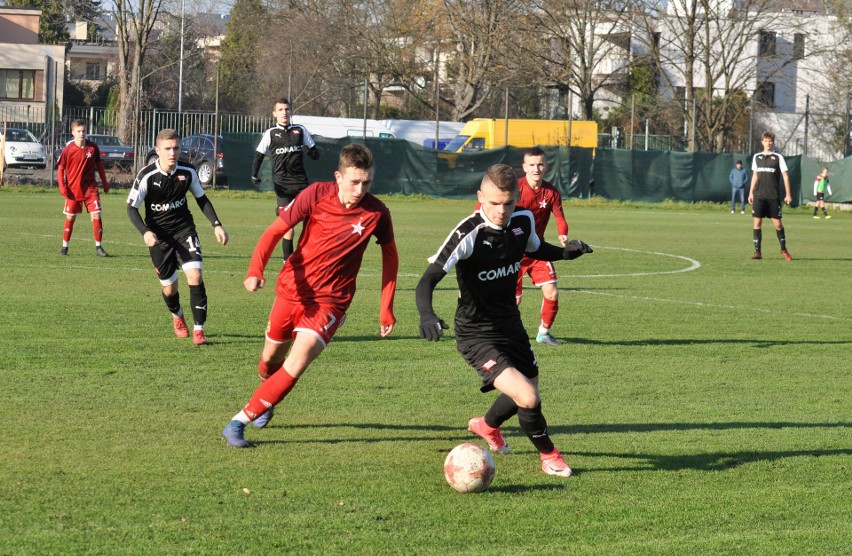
(338, 128)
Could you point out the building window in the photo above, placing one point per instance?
(798, 46)
(94, 71)
(765, 94)
(17, 84)
(766, 43)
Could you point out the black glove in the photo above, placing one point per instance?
(574, 249)
(432, 327)
(255, 180)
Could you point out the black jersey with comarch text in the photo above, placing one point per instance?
(487, 259)
(164, 197)
(288, 161)
(768, 168)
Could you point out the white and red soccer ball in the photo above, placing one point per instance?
(469, 468)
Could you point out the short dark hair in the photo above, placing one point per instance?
(167, 135)
(768, 134)
(739, 161)
(502, 176)
(77, 123)
(534, 151)
(282, 100)
(354, 155)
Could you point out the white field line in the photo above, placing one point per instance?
(366, 272)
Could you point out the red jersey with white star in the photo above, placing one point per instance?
(542, 202)
(80, 164)
(326, 262)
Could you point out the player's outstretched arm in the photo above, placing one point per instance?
(60, 178)
(253, 283)
(390, 270)
(149, 237)
(264, 248)
(549, 252)
(102, 173)
(431, 325)
(255, 167)
(221, 234)
(575, 248)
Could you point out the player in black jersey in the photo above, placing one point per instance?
(486, 250)
(768, 169)
(169, 230)
(288, 143)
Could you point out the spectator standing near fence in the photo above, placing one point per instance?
(739, 181)
(288, 143)
(75, 173)
(769, 169)
(821, 187)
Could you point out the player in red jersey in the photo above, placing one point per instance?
(75, 172)
(317, 283)
(542, 199)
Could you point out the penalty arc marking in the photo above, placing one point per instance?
(693, 265)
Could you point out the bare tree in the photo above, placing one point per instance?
(581, 46)
(480, 30)
(710, 54)
(134, 21)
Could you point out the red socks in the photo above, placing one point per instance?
(98, 228)
(69, 228)
(548, 312)
(269, 393)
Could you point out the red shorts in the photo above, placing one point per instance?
(92, 200)
(541, 273)
(287, 318)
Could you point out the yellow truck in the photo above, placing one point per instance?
(483, 133)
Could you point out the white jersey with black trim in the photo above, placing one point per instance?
(487, 259)
(164, 197)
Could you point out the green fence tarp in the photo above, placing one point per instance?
(406, 168)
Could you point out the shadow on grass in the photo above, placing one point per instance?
(514, 489)
(701, 341)
(718, 461)
(458, 433)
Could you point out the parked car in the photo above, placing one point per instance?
(23, 150)
(113, 151)
(198, 150)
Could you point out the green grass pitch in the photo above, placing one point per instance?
(702, 398)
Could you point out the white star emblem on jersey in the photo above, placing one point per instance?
(542, 204)
(88, 155)
(357, 228)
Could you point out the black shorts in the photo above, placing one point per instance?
(174, 251)
(820, 197)
(285, 197)
(492, 357)
(766, 208)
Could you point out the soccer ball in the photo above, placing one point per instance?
(469, 468)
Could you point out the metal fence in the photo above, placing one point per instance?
(103, 120)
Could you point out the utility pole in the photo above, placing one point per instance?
(180, 73)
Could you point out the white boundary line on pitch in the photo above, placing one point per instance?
(708, 305)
